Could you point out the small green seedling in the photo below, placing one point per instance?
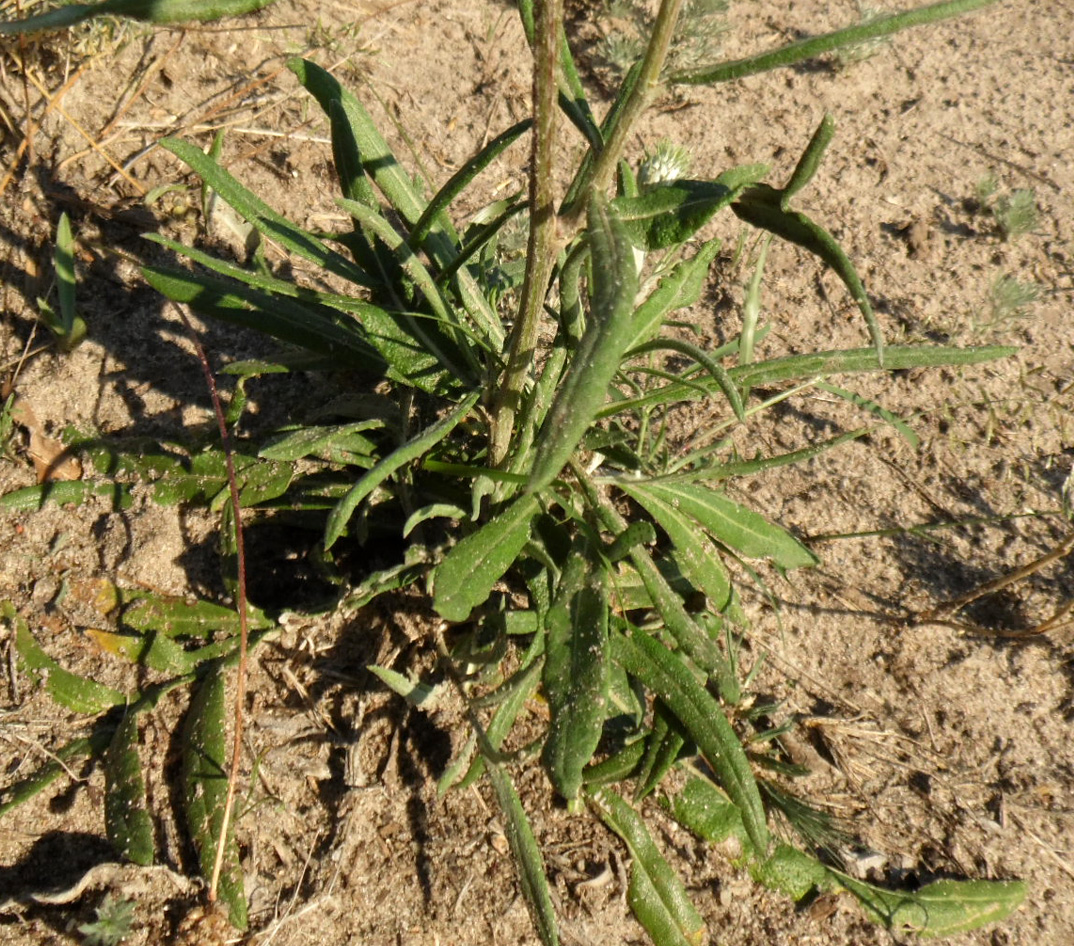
(66, 325)
(114, 923)
(1013, 212)
(1010, 300)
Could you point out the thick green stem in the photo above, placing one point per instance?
(541, 249)
(638, 99)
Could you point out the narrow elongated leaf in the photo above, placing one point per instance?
(79, 694)
(664, 672)
(69, 328)
(332, 440)
(737, 527)
(418, 694)
(66, 492)
(263, 218)
(308, 325)
(668, 214)
(378, 160)
(204, 781)
(412, 450)
(465, 577)
(678, 289)
(526, 854)
(696, 555)
(942, 908)
(430, 333)
(765, 207)
(57, 767)
(596, 359)
(697, 644)
(656, 894)
(810, 160)
(662, 747)
(376, 339)
(461, 179)
(716, 371)
(814, 365)
(620, 766)
(875, 409)
(126, 818)
(367, 155)
(151, 11)
(576, 670)
(519, 689)
(819, 45)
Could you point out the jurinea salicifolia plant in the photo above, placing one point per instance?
(569, 543)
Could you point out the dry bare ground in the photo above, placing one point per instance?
(941, 734)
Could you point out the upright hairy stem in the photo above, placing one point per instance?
(541, 248)
(638, 100)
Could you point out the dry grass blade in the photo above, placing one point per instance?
(942, 611)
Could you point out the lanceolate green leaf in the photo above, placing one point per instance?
(737, 527)
(764, 207)
(696, 555)
(686, 631)
(819, 45)
(331, 440)
(126, 817)
(942, 908)
(204, 786)
(665, 741)
(151, 11)
(656, 894)
(412, 450)
(677, 290)
(383, 340)
(668, 214)
(519, 689)
(59, 766)
(664, 672)
(378, 160)
(79, 694)
(308, 325)
(584, 388)
(527, 855)
(263, 218)
(460, 180)
(465, 577)
(65, 493)
(430, 332)
(576, 669)
(67, 325)
(375, 160)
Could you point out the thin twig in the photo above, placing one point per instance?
(997, 584)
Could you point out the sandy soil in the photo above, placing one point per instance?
(945, 743)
